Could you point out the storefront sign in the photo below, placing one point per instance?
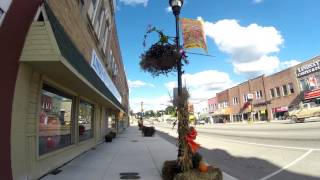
(264, 103)
(280, 109)
(308, 68)
(103, 75)
(312, 94)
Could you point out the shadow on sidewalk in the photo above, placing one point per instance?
(241, 167)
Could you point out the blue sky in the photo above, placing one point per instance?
(246, 37)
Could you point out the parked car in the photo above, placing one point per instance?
(304, 110)
(201, 121)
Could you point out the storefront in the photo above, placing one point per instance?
(308, 75)
(280, 113)
(64, 104)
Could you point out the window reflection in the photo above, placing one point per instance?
(55, 120)
(85, 120)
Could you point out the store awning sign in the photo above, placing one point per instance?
(312, 94)
(103, 75)
(280, 109)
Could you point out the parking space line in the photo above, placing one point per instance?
(288, 165)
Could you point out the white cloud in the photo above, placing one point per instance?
(135, 2)
(138, 84)
(169, 9)
(288, 64)
(203, 85)
(257, 1)
(249, 46)
(158, 103)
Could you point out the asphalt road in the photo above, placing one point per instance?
(259, 151)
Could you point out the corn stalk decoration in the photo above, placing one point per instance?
(162, 58)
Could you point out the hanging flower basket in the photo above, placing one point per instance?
(161, 57)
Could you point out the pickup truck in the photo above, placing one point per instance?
(304, 110)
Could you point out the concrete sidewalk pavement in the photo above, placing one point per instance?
(129, 152)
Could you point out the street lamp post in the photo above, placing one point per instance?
(176, 7)
(183, 153)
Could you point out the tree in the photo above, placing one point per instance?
(170, 110)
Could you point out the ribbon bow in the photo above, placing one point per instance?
(190, 137)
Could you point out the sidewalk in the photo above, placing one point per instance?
(128, 152)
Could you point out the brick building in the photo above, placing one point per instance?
(71, 88)
(223, 111)
(234, 102)
(282, 91)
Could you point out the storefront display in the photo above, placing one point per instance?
(55, 120)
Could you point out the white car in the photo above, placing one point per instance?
(201, 121)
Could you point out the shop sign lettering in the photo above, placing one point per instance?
(103, 75)
(308, 68)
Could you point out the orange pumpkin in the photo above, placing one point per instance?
(203, 166)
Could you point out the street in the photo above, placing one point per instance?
(258, 151)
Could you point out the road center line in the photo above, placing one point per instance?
(288, 165)
(267, 145)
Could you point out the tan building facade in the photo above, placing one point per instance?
(71, 88)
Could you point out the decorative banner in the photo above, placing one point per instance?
(193, 34)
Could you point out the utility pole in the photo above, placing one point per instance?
(141, 117)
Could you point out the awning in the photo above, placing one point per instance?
(312, 94)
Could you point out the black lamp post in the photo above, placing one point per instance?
(176, 7)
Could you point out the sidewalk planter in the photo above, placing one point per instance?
(108, 137)
(113, 134)
(171, 171)
(148, 131)
(211, 174)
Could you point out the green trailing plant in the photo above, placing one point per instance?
(162, 56)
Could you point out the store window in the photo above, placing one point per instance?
(55, 120)
(304, 85)
(85, 120)
(285, 90)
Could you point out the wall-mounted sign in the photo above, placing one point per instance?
(280, 109)
(308, 68)
(264, 103)
(103, 75)
(250, 96)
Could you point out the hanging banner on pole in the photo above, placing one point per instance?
(193, 34)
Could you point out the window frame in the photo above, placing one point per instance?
(272, 93)
(285, 89)
(291, 88)
(278, 91)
